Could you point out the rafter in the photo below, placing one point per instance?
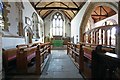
(46, 14)
(96, 12)
(47, 5)
(67, 7)
(75, 3)
(81, 5)
(100, 15)
(104, 9)
(37, 3)
(64, 8)
(94, 19)
(66, 15)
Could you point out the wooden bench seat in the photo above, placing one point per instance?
(25, 55)
(8, 56)
(88, 52)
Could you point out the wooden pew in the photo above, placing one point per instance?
(76, 53)
(105, 65)
(88, 50)
(26, 54)
(24, 57)
(22, 46)
(43, 53)
(84, 55)
(9, 55)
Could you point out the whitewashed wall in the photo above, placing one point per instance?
(11, 42)
(27, 12)
(100, 23)
(13, 19)
(76, 22)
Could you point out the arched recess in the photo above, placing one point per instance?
(19, 8)
(89, 10)
(28, 34)
(35, 23)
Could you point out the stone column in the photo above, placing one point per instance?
(118, 32)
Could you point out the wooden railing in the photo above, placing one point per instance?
(102, 35)
(76, 53)
(43, 51)
(82, 56)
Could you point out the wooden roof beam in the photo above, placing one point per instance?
(67, 7)
(81, 5)
(75, 3)
(96, 12)
(66, 14)
(64, 8)
(46, 5)
(37, 3)
(46, 14)
(104, 9)
(100, 15)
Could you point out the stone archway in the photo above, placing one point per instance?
(28, 34)
(89, 10)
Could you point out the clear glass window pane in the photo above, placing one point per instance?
(53, 22)
(59, 17)
(55, 16)
(53, 31)
(60, 22)
(60, 31)
(57, 22)
(57, 25)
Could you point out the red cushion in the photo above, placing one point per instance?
(29, 57)
(88, 56)
(11, 57)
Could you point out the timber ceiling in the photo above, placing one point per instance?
(102, 12)
(69, 9)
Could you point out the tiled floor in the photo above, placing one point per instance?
(60, 66)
